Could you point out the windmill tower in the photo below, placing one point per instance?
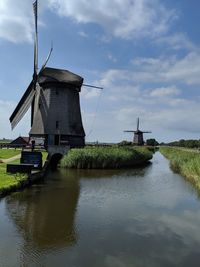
(53, 95)
(138, 135)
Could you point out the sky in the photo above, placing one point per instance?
(144, 53)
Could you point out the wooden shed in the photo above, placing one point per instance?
(20, 141)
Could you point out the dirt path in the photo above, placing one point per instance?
(11, 159)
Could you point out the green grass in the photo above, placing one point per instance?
(187, 163)
(9, 181)
(44, 156)
(105, 157)
(8, 153)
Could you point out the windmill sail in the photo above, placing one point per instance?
(35, 8)
(138, 123)
(27, 99)
(23, 105)
(47, 59)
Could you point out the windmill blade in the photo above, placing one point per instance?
(129, 131)
(92, 86)
(23, 105)
(146, 132)
(32, 110)
(138, 123)
(35, 11)
(48, 57)
(35, 105)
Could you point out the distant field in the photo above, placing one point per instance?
(5, 141)
(8, 153)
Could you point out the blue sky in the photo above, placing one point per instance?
(145, 53)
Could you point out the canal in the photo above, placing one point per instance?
(103, 218)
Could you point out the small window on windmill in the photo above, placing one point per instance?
(57, 124)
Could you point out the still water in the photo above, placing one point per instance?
(114, 218)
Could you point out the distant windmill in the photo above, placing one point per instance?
(53, 95)
(138, 135)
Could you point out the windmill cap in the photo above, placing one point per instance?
(51, 75)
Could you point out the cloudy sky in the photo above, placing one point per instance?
(145, 53)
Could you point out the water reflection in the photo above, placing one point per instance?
(107, 173)
(44, 214)
(107, 218)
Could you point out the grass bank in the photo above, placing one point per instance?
(106, 157)
(12, 182)
(187, 163)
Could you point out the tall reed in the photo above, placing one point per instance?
(187, 163)
(105, 157)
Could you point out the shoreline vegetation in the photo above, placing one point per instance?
(10, 182)
(106, 157)
(184, 162)
(96, 157)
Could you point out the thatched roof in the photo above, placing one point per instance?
(51, 75)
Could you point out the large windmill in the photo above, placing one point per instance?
(138, 135)
(53, 95)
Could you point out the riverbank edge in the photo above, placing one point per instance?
(30, 180)
(106, 158)
(185, 163)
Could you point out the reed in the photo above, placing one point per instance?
(187, 163)
(105, 157)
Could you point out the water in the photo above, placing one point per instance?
(114, 218)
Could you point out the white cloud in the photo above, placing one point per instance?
(16, 20)
(170, 118)
(161, 109)
(124, 19)
(112, 58)
(83, 34)
(176, 41)
(186, 69)
(165, 91)
(90, 93)
(167, 69)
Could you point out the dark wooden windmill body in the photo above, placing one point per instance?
(138, 135)
(53, 96)
(57, 114)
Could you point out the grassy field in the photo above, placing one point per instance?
(8, 153)
(185, 162)
(105, 157)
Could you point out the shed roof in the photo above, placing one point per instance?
(51, 75)
(20, 140)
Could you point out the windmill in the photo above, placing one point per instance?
(53, 95)
(138, 135)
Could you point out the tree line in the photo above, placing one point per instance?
(191, 143)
